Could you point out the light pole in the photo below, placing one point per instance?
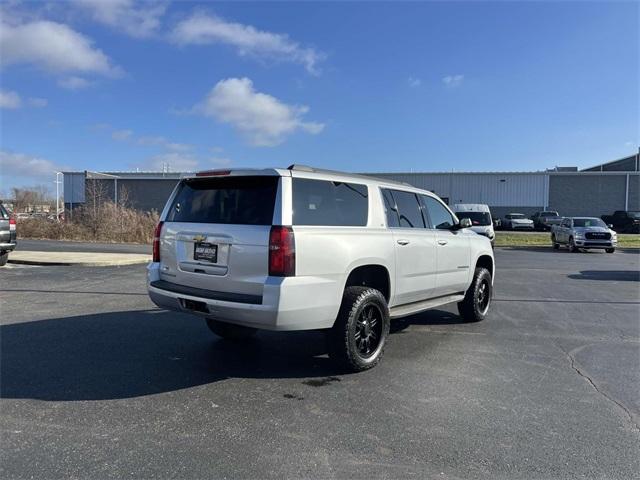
(58, 182)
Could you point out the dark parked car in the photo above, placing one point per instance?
(546, 219)
(7, 234)
(623, 221)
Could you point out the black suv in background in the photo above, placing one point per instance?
(545, 220)
(7, 234)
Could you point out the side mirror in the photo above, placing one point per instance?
(465, 222)
(610, 225)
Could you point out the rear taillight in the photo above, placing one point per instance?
(282, 252)
(156, 242)
(12, 223)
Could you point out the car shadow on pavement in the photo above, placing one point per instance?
(607, 275)
(135, 353)
(429, 317)
(129, 354)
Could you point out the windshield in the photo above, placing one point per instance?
(515, 215)
(634, 215)
(549, 214)
(588, 222)
(477, 218)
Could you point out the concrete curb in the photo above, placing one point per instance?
(85, 259)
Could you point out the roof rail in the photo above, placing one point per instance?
(307, 168)
(303, 168)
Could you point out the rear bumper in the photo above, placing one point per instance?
(7, 247)
(291, 303)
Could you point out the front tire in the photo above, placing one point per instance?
(229, 331)
(477, 299)
(610, 250)
(357, 340)
(572, 245)
(4, 258)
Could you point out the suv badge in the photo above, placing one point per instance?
(199, 238)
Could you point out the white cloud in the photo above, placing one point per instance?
(27, 166)
(37, 102)
(262, 119)
(10, 100)
(121, 135)
(453, 80)
(74, 83)
(54, 47)
(414, 82)
(202, 29)
(159, 141)
(136, 19)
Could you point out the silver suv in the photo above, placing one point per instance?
(7, 235)
(301, 249)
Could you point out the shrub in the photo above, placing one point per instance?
(104, 222)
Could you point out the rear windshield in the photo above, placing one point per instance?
(3, 213)
(321, 202)
(230, 200)
(477, 218)
(549, 214)
(515, 216)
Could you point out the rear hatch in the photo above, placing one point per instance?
(216, 234)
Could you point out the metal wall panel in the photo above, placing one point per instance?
(495, 189)
(74, 187)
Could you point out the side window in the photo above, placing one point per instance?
(408, 209)
(566, 222)
(438, 214)
(390, 209)
(322, 202)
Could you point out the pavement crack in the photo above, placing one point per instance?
(577, 369)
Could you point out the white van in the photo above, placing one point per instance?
(480, 217)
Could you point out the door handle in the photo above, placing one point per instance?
(403, 242)
(442, 242)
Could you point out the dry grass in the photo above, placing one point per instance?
(106, 223)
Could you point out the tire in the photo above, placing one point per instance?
(4, 258)
(572, 246)
(228, 331)
(357, 340)
(556, 245)
(477, 299)
(610, 250)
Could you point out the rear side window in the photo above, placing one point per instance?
(321, 202)
(408, 209)
(230, 200)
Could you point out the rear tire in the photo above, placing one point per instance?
(357, 340)
(477, 299)
(4, 258)
(610, 250)
(228, 331)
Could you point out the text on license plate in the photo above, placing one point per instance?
(207, 252)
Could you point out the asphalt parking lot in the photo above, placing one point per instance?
(96, 382)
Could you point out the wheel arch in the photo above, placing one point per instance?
(374, 275)
(486, 261)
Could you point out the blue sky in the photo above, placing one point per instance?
(433, 86)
